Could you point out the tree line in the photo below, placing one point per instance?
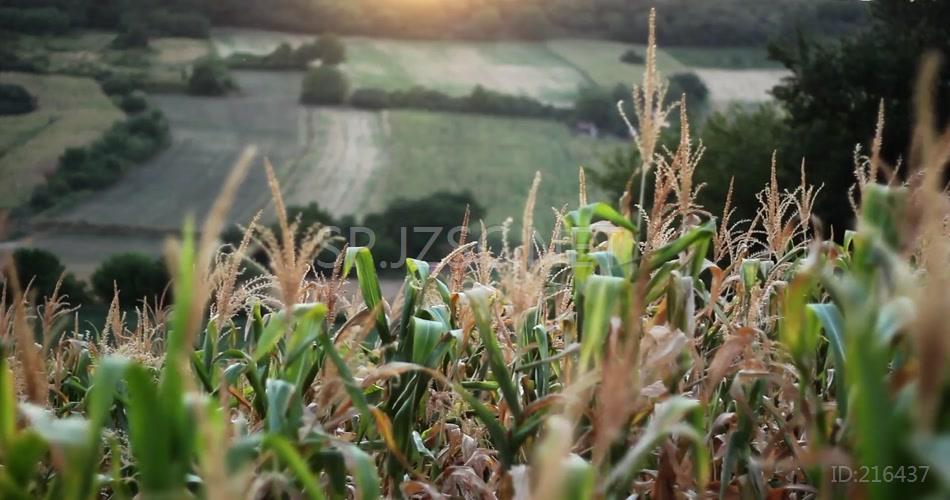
(681, 22)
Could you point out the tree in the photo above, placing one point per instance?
(210, 77)
(833, 95)
(406, 227)
(15, 100)
(331, 49)
(137, 277)
(324, 85)
(739, 145)
(41, 270)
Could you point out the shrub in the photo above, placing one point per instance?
(632, 56)
(39, 21)
(210, 77)
(324, 85)
(134, 102)
(481, 100)
(331, 49)
(370, 99)
(406, 227)
(121, 83)
(32, 63)
(690, 84)
(100, 164)
(41, 270)
(134, 35)
(284, 57)
(15, 100)
(137, 277)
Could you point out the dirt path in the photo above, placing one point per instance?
(343, 155)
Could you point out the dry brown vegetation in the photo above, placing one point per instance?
(648, 351)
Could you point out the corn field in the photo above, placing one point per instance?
(642, 352)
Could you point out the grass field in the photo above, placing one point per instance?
(549, 71)
(71, 112)
(600, 60)
(723, 57)
(494, 157)
(519, 68)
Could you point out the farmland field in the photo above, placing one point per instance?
(70, 112)
(494, 157)
(723, 57)
(600, 60)
(549, 71)
(343, 159)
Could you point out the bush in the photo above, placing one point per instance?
(15, 100)
(632, 56)
(284, 57)
(690, 84)
(38, 21)
(121, 83)
(32, 63)
(210, 77)
(331, 49)
(100, 164)
(481, 101)
(370, 99)
(134, 35)
(134, 102)
(739, 143)
(41, 270)
(324, 85)
(395, 227)
(137, 277)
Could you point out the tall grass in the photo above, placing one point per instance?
(664, 353)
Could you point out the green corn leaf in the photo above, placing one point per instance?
(272, 334)
(363, 469)
(279, 395)
(479, 301)
(369, 286)
(602, 295)
(578, 478)
(667, 420)
(830, 319)
(281, 447)
(694, 237)
(425, 336)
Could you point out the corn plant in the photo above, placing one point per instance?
(654, 351)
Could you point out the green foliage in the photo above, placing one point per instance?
(133, 35)
(832, 99)
(284, 57)
(324, 85)
(135, 275)
(331, 49)
(100, 164)
(15, 100)
(632, 56)
(210, 77)
(38, 21)
(480, 101)
(134, 102)
(42, 270)
(421, 228)
(739, 143)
